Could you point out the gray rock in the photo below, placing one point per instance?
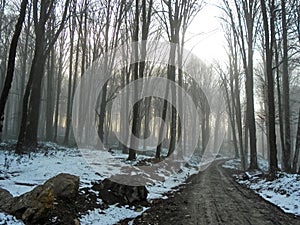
(4, 197)
(34, 205)
(31, 206)
(65, 186)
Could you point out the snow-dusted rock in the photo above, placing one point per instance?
(34, 205)
(31, 206)
(4, 196)
(65, 186)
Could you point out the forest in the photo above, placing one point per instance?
(116, 75)
(46, 47)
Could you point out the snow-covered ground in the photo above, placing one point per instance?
(284, 191)
(112, 215)
(20, 174)
(235, 164)
(9, 220)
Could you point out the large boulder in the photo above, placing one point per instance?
(31, 206)
(65, 186)
(5, 196)
(34, 205)
(112, 192)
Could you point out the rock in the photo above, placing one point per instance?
(65, 186)
(139, 209)
(112, 192)
(76, 222)
(4, 197)
(31, 206)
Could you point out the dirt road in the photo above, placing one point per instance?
(213, 197)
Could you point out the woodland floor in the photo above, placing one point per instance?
(213, 197)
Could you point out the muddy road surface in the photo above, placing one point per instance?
(213, 197)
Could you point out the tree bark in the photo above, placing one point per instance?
(135, 111)
(69, 102)
(11, 64)
(269, 32)
(297, 147)
(279, 96)
(31, 101)
(286, 92)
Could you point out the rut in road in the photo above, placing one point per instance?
(213, 197)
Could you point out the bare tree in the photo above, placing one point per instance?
(72, 24)
(176, 17)
(11, 63)
(59, 84)
(32, 96)
(244, 30)
(297, 148)
(286, 91)
(269, 38)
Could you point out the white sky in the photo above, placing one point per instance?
(208, 45)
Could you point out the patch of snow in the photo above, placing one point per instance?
(159, 189)
(34, 169)
(6, 219)
(235, 164)
(283, 191)
(130, 222)
(109, 216)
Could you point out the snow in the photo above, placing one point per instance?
(284, 191)
(235, 164)
(112, 215)
(35, 168)
(161, 188)
(20, 174)
(9, 220)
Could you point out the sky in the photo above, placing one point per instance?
(205, 35)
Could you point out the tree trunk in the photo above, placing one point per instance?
(50, 99)
(69, 102)
(236, 102)
(286, 92)
(22, 132)
(281, 128)
(297, 148)
(250, 105)
(135, 111)
(171, 74)
(269, 31)
(69, 116)
(58, 91)
(35, 102)
(30, 113)
(11, 64)
(161, 129)
(231, 120)
(25, 57)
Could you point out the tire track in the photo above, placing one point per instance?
(213, 197)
